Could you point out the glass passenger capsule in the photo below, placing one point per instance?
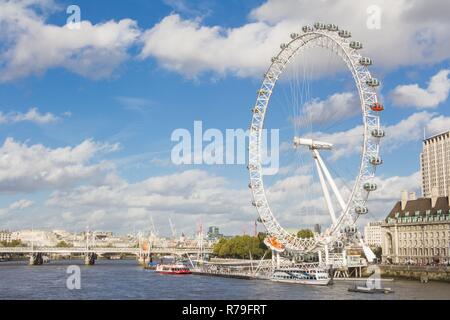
(255, 110)
(377, 107)
(350, 229)
(378, 133)
(257, 204)
(262, 92)
(376, 161)
(345, 34)
(338, 244)
(370, 186)
(320, 26)
(356, 45)
(373, 82)
(332, 27)
(269, 76)
(361, 210)
(365, 61)
(251, 186)
(307, 29)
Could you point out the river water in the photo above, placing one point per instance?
(126, 280)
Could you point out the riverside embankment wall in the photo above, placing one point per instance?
(417, 272)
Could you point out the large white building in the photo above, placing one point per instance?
(5, 236)
(36, 237)
(417, 231)
(435, 166)
(372, 234)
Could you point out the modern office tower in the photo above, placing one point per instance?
(435, 166)
(372, 234)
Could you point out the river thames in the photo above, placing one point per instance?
(114, 280)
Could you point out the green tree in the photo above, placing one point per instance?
(225, 249)
(63, 244)
(241, 247)
(305, 234)
(218, 246)
(13, 243)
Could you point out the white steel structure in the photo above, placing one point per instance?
(342, 229)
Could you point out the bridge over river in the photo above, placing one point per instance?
(91, 253)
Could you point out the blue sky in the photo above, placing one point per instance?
(138, 70)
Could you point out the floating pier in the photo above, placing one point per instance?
(227, 275)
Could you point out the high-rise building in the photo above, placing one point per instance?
(214, 233)
(372, 234)
(5, 236)
(317, 228)
(435, 166)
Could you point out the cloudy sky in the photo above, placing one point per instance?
(86, 115)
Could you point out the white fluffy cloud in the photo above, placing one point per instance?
(334, 108)
(33, 168)
(33, 115)
(32, 46)
(192, 191)
(187, 47)
(412, 31)
(415, 32)
(134, 103)
(15, 207)
(296, 208)
(414, 96)
(390, 188)
(412, 128)
(389, 191)
(349, 142)
(21, 204)
(186, 197)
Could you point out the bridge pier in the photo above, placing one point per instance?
(36, 259)
(89, 259)
(142, 259)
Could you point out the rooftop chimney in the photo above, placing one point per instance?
(412, 196)
(434, 196)
(404, 199)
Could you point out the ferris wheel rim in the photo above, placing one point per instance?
(369, 146)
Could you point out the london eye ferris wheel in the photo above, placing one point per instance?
(313, 140)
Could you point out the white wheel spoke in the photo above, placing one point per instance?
(326, 193)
